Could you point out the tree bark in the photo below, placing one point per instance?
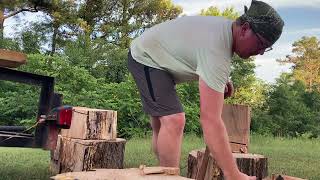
(2, 18)
(54, 42)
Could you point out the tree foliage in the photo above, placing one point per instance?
(290, 110)
(214, 11)
(306, 62)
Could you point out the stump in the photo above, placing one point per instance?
(115, 174)
(250, 164)
(83, 155)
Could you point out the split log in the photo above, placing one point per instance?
(11, 59)
(159, 170)
(116, 174)
(250, 164)
(91, 124)
(83, 155)
(237, 121)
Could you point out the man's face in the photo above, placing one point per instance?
(251, 43)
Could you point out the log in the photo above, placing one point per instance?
(83, 155)
(250, 164)
(115, 174)
(91, 124)
(237, 121)
(11, 59)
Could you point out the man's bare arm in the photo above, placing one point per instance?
(215, 133)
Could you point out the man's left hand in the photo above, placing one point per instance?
(228, 90)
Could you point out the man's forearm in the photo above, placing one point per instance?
(216, 138)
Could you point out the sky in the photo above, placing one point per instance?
(301, 18)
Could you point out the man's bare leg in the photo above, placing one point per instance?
(155, 124)
(170, 139)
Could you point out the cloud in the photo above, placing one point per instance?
(308, 31)
(291, 3)
(270, 69)
(192, 7)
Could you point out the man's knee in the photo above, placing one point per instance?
(174, 122)
(155, 124)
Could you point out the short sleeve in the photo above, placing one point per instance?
(214, 69)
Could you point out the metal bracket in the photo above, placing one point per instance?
(47, 88)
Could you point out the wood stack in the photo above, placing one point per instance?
(237, 122)
(91, 142)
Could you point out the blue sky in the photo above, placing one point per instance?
(302, 18)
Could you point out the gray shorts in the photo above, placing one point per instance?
(157, 89)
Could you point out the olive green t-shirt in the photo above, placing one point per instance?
(188, 47)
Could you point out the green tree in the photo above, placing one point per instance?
(289, 111)
(249, 90)
(12, 8)
(214, 11)
(306, 62)
(30, 42)
(125, 19)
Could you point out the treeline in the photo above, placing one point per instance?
(84, 45)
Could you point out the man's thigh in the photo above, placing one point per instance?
(157, 89)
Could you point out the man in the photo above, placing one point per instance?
(197, 48)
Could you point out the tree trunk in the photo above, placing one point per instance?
(2, 18)
(250, 164)
(54, 42)
(83, 155)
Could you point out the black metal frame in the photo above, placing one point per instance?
(47, 90)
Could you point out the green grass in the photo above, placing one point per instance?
(295, 157)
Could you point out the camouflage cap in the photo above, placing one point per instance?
(264, 20)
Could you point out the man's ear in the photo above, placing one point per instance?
(244, 28)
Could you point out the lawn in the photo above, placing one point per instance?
(295, 157)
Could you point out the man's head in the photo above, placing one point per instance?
(256, 30)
